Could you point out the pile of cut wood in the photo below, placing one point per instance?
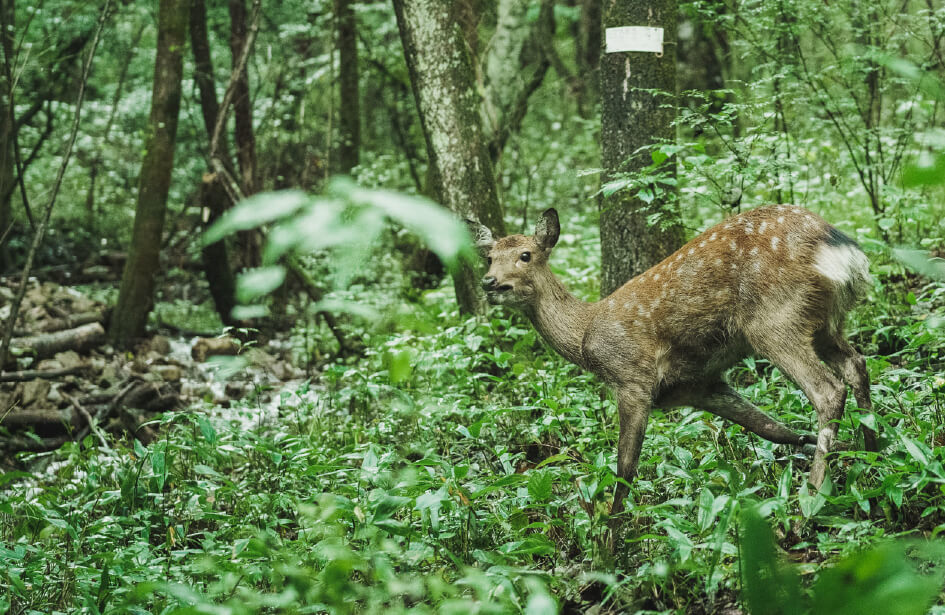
(63, 381)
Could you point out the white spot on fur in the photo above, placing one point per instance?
(610, 303)
(661, 361)
(627, 305)
(774, 242)
(714, 235)
(692, 251)
(733, 245)
(761, 229)
(780, 219)
(749, 228)
(679, 256)
(727, 226)
(842, 264)
(702, 244)
(718, 261)
(796, 210)
(656, 277)
(754, 251)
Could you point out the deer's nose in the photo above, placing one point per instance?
(488, 282)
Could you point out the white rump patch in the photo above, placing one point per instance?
(842, 264)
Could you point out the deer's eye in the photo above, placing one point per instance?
(526, 256)
(489, 260)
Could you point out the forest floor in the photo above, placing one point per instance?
(457, 466)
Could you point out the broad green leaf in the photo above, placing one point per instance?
(929, 171)
(883, 580)
(921, 262)
(770, 586)
(255, 283)
(254, 211)
(539, 486)
(206, 428)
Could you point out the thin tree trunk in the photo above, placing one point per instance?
(349, 112)
(441, 74)
(7, 128)
(632, 117)
(589, 49)
(250, 247)
(216, 258)
(514, 68)
(136, 293)
(10, 324)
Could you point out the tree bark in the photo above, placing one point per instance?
(136, 293)
(46, 345)
(589, 41)
(250, 246)
(7, 128)
(349, 112)
(514, 68)
(632, 116)
(441, 74)
(216, 257)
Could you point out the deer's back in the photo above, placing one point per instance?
(769, 271)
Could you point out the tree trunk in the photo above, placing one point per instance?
(443, 84)
(349, 112)
(216, 258)
(588, 51)
(136, 294)
(250, 246)
(514, 68)
(632, 117)
(7, 129)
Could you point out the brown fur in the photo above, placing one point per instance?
(775, 281)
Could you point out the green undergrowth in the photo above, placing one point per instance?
(461, 467)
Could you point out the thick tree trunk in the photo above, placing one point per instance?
(443, 84)
(136, 294)
(349, 112)
(632, 117)
(216, 258)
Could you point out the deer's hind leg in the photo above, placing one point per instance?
(792, 351)
(850, 366)
(722, 400)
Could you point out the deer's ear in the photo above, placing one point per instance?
(481, 235)
(547, 229)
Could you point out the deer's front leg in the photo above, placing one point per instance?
(633, 407)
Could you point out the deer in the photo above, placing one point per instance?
(776, 282)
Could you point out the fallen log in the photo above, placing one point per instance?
(45, 421)
(80, 339)
(47, 374)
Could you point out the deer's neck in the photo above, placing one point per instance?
(560, 318)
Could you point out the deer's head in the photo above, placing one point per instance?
(517, 263)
